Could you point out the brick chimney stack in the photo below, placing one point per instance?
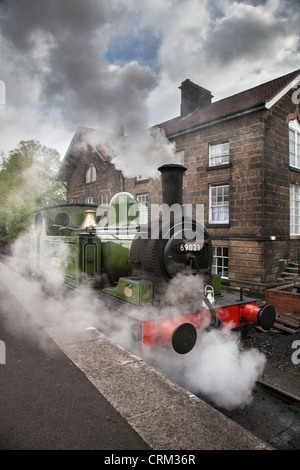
(193, 96)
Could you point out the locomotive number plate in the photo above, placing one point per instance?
(187, 247)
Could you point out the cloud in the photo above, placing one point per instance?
(59, 48)
(226, 47)
(249, 33)
(108, 63)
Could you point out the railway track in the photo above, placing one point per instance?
(283, 395)
(273, 415)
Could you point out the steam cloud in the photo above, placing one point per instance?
(218, 367)
(59, 59)
(67, 42)
(138, 153)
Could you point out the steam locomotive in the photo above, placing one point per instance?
(133, 266)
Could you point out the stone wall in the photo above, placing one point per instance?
(108, 179)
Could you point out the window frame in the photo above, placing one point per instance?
(294, 210)
(105, 199)
(90, 174)
(142, 178)
(143, 208)
(224, 204)
(219, 159)
(216, 267)
(294, 158)
(89, 200)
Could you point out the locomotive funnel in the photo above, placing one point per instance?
(172, 178)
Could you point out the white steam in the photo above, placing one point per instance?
(221, 370)
(218, 367)
(140, 152)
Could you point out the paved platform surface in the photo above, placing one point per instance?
(46, 402)
(63, 389)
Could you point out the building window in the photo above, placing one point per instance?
(178, 157)
(295, 210)
(142, 178)
(104, 199)
(90, 175)
(220, 261)
(142, 200)
(89, 200)
(294, 143)
(219, 204)
(218, 154)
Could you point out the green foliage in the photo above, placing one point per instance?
(27, 182)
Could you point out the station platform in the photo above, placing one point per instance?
(73, 388)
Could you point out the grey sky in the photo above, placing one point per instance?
(107, 63)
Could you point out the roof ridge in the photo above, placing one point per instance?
(260, 85)
(248, 99)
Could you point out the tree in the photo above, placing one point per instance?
(27, 182)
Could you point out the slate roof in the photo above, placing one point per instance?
(248, 100)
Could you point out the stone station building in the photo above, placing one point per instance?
(242, 155)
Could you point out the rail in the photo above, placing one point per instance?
(280, 393)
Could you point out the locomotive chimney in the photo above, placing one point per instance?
(172, 178)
